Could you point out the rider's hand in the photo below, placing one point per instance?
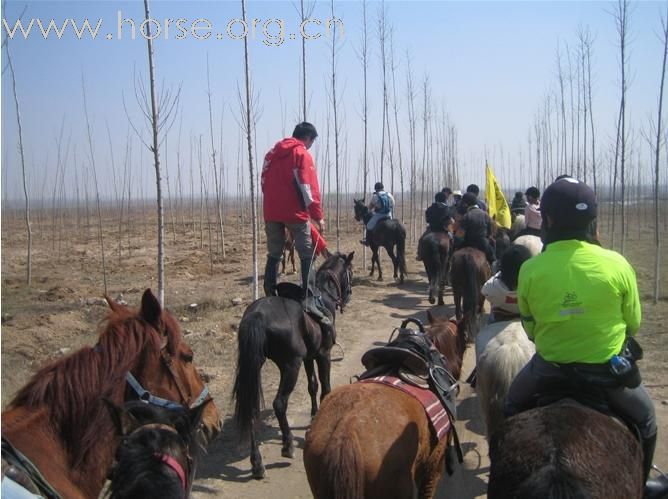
(321, 225)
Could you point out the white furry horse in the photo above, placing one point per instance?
(533, 243)
(501, 349)
(518, 224)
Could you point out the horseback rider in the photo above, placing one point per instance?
(518, 205)
(382, 206)
(501, 289)
(532, 216)
(578, 303)
(477, 227)
(475, 190)
(292, 197)
(437, 217)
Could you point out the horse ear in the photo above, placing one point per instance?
(113, 304)
(430, 317)
(190, 421)
(150, 308)
(349, 258)
(124, 422)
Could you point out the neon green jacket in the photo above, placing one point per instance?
(578, 301)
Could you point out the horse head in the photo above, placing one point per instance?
(157, 450)
(360, 209)
(165, 374)
(449, 338)
(335, 277)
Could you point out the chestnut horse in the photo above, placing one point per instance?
(469, 272)
(435, 251)
(157, 455)
(564, 450)
(277, 328)
(373, 441)
(59, 421)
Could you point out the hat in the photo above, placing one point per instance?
(533, 192)
(569, 203)
(457, 193)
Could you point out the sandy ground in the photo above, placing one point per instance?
(60, 312)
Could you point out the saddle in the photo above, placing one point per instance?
(312, 304)
(22, 471)
(412, 357)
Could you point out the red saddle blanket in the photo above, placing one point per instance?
(436, 413)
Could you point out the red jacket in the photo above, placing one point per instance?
(290, 184)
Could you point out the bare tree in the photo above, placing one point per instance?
(219, 208)
(395, 102)
(160, 112)
(22, 155)
(657, 239)
(248, 124)
(364, 57)
(589, 41)
(336, 132)
(97, 190)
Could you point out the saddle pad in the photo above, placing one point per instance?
(438, 417)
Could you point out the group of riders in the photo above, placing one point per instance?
(578, 302)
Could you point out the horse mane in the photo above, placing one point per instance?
(72, 388)
(449, 339)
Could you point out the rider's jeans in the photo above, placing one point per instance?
(633, 404)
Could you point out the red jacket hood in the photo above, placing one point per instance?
(285, 147)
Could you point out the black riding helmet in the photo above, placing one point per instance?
(569, 203)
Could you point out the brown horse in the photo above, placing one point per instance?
(435, 250)
(373, 441)
(288, 252)
(469, 272)
(564, 450)
(59, 420)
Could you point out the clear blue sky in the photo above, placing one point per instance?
(489, 63)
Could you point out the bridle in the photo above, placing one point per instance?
(149, 398)
(344, 292)
(166, 459)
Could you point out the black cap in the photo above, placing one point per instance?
(378, 186)
(570, 204)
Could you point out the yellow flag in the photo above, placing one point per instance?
(496, 201)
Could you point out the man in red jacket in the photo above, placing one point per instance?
(291, 199)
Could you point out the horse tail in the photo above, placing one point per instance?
(401, 248)
(344, 473)
(247, 391)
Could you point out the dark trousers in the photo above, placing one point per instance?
(634, 404)
(483, 244)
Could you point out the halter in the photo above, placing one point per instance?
(149, 398)
(166, 458)
(343, 294)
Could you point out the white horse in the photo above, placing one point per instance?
(502, 349)
(533, 243)
(518, 224)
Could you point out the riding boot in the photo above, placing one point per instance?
(271, 276)
(655, 488)
(312, 304)
(367, 241)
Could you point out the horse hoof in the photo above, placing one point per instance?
(441, 303)
(380, 278)
(431, 300)
(370, 274)
(289, 452)
(259, 473)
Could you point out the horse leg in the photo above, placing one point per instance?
(395, 260)
(289, 374)
(255, 457)
(324, 366)
(377, 260)
(312, 384)
(433, 471)
(373, 261)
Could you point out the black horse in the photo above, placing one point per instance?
(158, 450)
(435, 251)
(387, 234)
(277, 328)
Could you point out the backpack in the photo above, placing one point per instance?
(384, 203)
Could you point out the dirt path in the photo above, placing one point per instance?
(376, 308)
